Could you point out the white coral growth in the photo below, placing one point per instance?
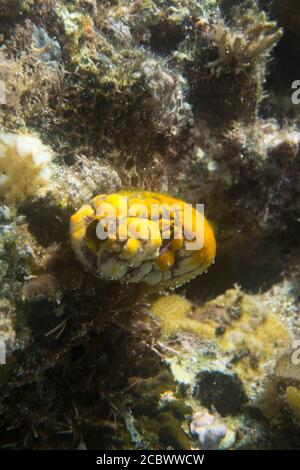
(24, 166)
(209, 430)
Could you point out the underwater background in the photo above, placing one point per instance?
(194, 99)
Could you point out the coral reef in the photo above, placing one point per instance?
(226, 351)
(190, 100)
(248, 334)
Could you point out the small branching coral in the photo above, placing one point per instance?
(242, 49)
(23, 166)
(147, 243)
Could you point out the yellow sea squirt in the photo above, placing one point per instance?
(142, 237)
